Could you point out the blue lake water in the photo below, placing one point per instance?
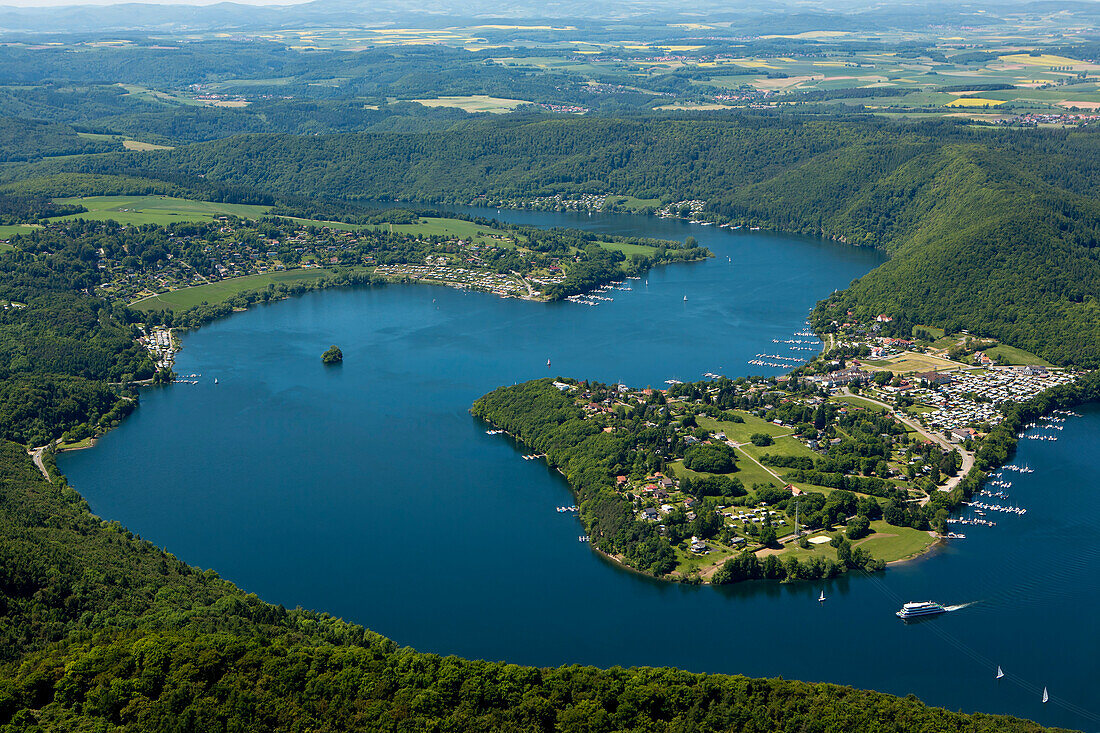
(367, 490)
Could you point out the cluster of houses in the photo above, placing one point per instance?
(972, 398)
(232, 250)
(584, 202)
(158, 341)
(458, 277)
(681, 208)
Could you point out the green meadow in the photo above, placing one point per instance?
(159, 210)
(223, 290)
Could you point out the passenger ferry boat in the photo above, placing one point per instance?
(920, 608)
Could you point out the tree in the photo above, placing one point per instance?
(768, 537)
(761, 440)
(858, 527)
(714, 458)
(333, 355)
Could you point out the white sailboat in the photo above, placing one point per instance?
(1000, 673)
(685, 298)
(1046, 696)
(215, 380)
(821, 598)
(547, 363)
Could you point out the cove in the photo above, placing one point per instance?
(368, 491)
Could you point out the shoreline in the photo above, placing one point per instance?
(706, 571)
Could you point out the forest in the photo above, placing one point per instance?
(101, 630)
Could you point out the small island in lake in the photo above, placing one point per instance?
(333, 355)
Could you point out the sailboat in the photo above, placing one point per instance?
(1000, 672)
(547, 363)
(1046, 696)
(685, 298)
(821, 598)
(215, 380)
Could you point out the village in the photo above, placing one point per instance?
(458, 277)
(781, 435)
(856, 444)
(230, 248)
(951, 384)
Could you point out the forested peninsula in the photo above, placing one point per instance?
(657, 474)
(990, 229)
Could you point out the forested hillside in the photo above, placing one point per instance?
(994, 230)
(100, 630)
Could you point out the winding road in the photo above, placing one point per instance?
(36, 455)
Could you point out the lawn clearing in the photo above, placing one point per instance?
(223, 290)
(475, 103)
(858, 402)
(787, 446)
(457, 228)
(628, 249)
(909, 362)
(1012, 356)
(159, 210)
(9, 230)
(740, 432)
(143, 147)
(892, 543)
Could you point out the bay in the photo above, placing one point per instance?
(368, 491)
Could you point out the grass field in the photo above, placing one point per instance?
(1013, 356)
(787, 446)
(888, 543)
(628, 249)
(910, 362)
(632, 202)
(741, 432)
(7, 230)
(857, 402)
(158, 210)
(892, 543)
(475, 103)
(223, 290)
(433, 226)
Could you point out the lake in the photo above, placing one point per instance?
(367, 490)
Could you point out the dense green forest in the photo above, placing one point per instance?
(100, 630)
(991, 230)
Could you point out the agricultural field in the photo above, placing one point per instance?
(158, 210)
(9, 230)
(475, 103)
(221, 291)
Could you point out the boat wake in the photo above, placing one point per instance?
(959, 606)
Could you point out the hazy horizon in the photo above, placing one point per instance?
(73, 3)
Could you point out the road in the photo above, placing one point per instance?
(967, 456)
(36, 454)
